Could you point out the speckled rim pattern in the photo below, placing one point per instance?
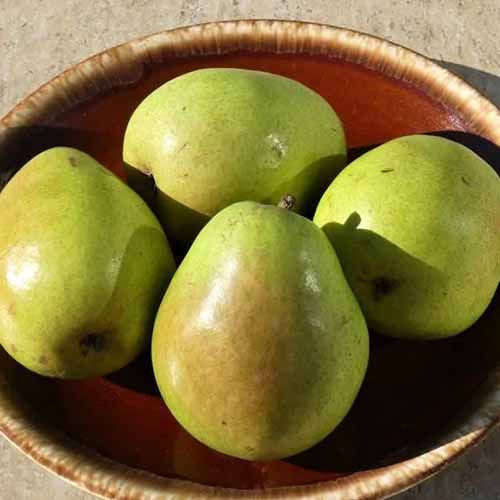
(123, 65)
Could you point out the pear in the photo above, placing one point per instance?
(216, 136)
(259, 346)
(83, 267)
(415, 223)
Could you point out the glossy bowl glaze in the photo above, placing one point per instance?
(422, 404)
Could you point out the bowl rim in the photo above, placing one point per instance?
(103, 477)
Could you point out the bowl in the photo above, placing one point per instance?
(422, 404)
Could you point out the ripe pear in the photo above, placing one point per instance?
(415, 223)
(216, 136)
(259, 346)
(83, 267)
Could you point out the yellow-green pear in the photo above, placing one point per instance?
(259, 346)
(216, 136)
(416, 226)
(83, 266)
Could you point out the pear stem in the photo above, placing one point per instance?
(287, 202)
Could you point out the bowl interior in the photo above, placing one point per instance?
(412, 390)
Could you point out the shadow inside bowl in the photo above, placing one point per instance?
(410, 397)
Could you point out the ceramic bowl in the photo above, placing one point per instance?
(422, 404)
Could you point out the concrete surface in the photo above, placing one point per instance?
(39, 38)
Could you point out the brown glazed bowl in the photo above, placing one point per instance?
(422, 404)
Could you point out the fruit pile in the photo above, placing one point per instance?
(259, 338)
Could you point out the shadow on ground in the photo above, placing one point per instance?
(487, 83)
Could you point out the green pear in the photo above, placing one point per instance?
(83, 267)
(415, 223)
(213, 137)
(259, 346)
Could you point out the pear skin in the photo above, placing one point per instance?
(259, 346)
(415, 223)
(216, 136)
(83, 266)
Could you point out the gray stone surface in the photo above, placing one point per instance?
(39, 38)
